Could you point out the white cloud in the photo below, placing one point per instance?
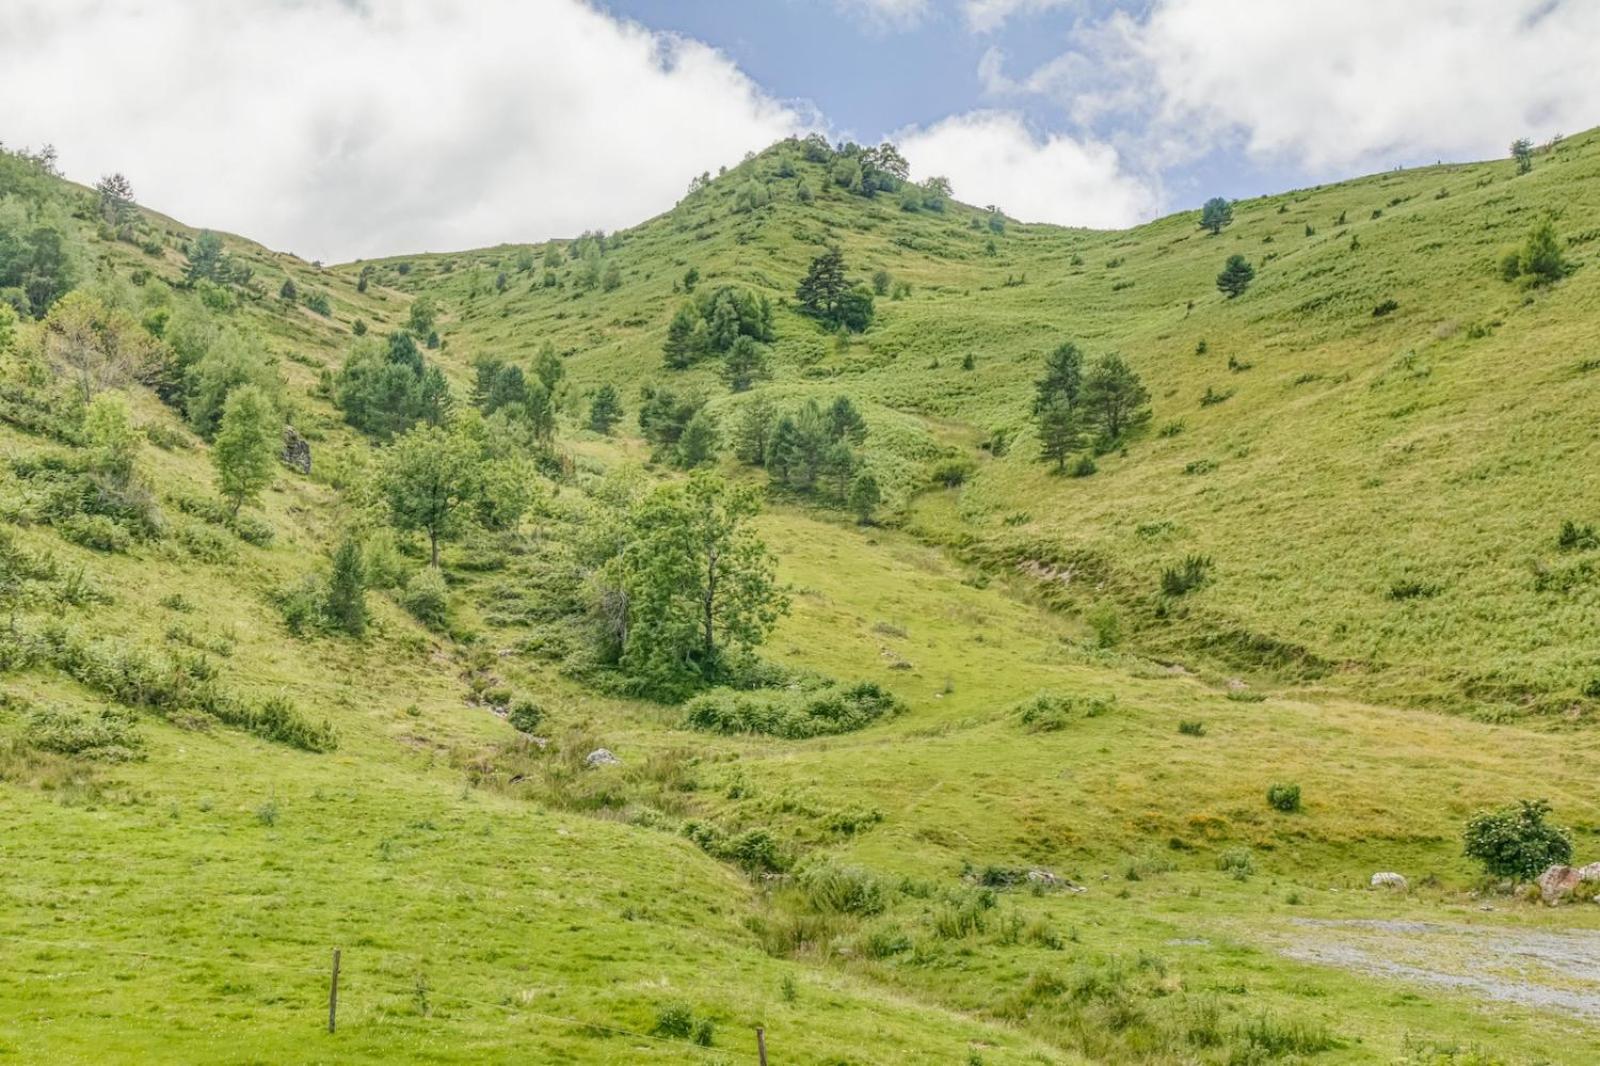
(1332, 84)
(341, 129)
(985, 16)
(992, 157)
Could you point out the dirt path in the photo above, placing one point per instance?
(1557, 971)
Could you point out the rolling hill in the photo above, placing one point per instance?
(1055, 848)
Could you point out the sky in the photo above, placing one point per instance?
(341, 129)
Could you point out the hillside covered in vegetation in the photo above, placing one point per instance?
(826, 607)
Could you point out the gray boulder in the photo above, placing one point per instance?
(601, 757)
(296, 451)
(1390, 879)
(1557, 883)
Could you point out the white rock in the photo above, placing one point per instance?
(601, 757)
(1389, 879)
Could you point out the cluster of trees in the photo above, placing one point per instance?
(206, 260)
(868, 171)
(504, 388)
(386, 386)
(1079, 409)
(36, 260)
(810, 449)
(827, 295)
(683, 432)
(729, 323)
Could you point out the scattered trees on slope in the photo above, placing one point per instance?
(1236, 276)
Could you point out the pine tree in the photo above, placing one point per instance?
(681, 348)
(605, 409)
(698, 444)
(865, 496)
(1060, 431)
(1236, 276)
(345, 606)
(823, 288)
(744, 362)
(754, 434)
(1114, 399)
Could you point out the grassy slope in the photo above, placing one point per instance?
(1355, 451)
(152, 912)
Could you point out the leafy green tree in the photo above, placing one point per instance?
(881, 280)
(839, 468)
(611, 280)
(429, 479)
(1522, 152)
(605, 409)
(247, 446)
(1114, 400)
(699, 442)
(228, 361)
(36, 265)
(345, 604)
(1516, 841)
(1216, 213)
(865, 496)
(96, 347)
(699, 585)
(744, 362)
(1236, 276)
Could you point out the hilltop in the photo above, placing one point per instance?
(992, 790)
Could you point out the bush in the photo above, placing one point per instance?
(1082, 467)
(525, 716)
(1516, 841)
(1186, 576)
(1192, 727)
(1048, 712)
(1284, 798)
(792, 713)
(107, 734)
(831, 889)
(1574, 537)
(426, 597)
(951, 473)
(1237, 862)
(96, 532)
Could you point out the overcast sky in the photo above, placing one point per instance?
(345, 128)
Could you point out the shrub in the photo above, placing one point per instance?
(833, 889)
(1385, 308)
(1412, 589)
(1515, 841)
(1192, 727)
(108, 734)
(674, 1020)
(1574, 537)
(1048, 712)
(793, 714)
(1237, 863)
(1082, 467)
(1284, 798)
(426, 597)
(301, 604)
(1187, 576)
(96, 532)
(951, 473)
(526, 716)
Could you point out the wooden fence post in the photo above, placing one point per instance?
(761, 1044)
(333, 993)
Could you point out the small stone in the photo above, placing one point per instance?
(1557, 883)
(601, 757)
(1389, 879)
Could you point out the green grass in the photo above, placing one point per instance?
(498, 901)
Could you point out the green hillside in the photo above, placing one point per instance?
(988, 791)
